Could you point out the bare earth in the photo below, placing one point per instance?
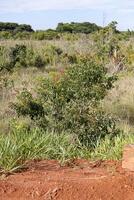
(79, 180)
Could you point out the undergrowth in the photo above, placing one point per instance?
(18, 147)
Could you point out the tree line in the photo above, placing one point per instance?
(15, 27)
(73, 27)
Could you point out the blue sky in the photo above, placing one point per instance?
(43, 14)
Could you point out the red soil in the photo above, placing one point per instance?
(80, 180)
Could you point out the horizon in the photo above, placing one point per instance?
(43, 15)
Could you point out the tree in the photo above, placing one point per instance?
(113, 26)
(74, 27)
(14, 27)
(24, 28)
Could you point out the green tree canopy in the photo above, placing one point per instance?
(73, 27)
(7, 26)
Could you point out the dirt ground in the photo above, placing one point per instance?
(78, 180)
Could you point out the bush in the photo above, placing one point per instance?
(38, 61)
(28, 106)
(52, 54)
(70, 102)
(19, 56)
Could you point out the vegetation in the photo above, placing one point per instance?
(20, 146)
(65, 93)
(24, 31)
(74, 27)
(71, 103)
(14, 27)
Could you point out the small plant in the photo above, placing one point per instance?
(52, 54)
(18, 55)
(28, 106)
(38, 61)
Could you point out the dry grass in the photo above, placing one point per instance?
(19, 79)
(82, 45)
(120, 102)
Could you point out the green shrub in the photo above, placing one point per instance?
(38, 61)
(73, 27)
(28, 106)
(14, 27)
(70, 102)
(6, 35)
(52, 54)
(17, 55)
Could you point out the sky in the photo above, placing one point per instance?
(44, 14)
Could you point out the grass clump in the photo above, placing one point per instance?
(19, 146)
(108, 149)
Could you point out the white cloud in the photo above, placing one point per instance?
(37, 5)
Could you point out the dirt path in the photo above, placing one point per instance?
(47, 180)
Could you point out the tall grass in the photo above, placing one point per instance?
(120, 102)
(18, 147)
(112, 150)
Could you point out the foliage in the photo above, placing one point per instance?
(70, 102)
(6, 35)
(74, 27)
(52, 54)
(20, 146)
(108, 47)
(20, 56)
(28, 106)
(46, 35)
(17, 55)
(14, 27)
(108, 149)
(24, 35)
(64, 30)
(113, 27)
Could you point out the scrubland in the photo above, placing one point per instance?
(66, 98)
